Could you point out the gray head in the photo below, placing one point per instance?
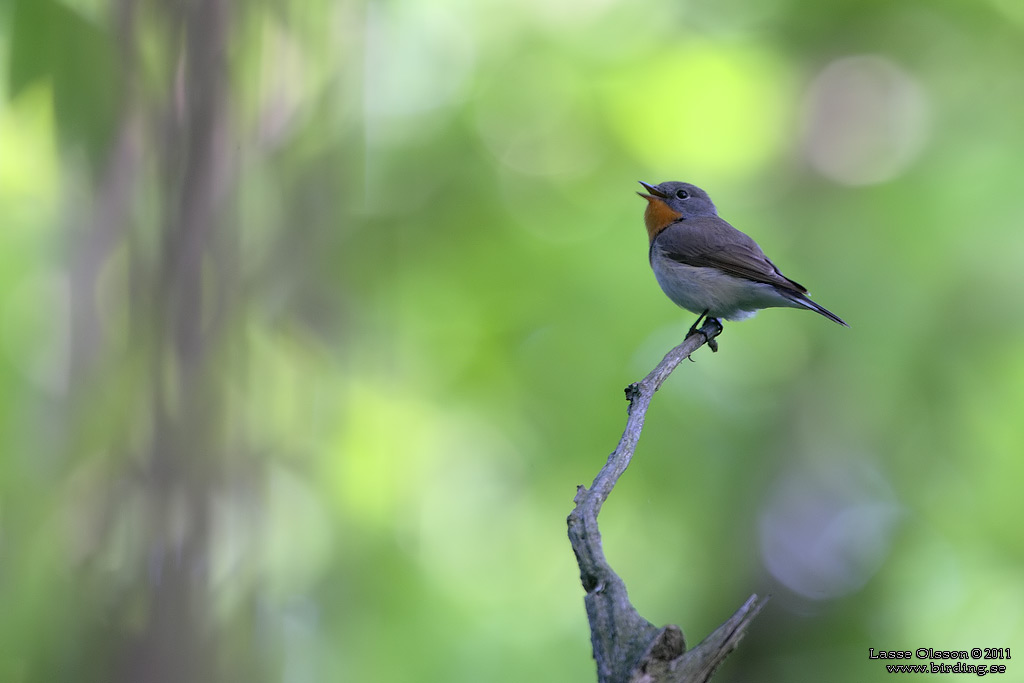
(683, 199)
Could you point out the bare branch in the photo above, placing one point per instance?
(626, 646)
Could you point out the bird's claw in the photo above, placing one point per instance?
(713, 341)
(710, 341)
(693, 328)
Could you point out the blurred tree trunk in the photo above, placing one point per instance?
(180, 321)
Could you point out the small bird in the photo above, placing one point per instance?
(709, 267)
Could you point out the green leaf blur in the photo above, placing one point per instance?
(314, 314)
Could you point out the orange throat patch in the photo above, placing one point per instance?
(658, 216)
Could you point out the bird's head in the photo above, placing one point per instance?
(674, 201)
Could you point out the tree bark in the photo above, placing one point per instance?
(627, 647)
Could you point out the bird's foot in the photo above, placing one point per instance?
(712, 340)
(709, 339)
(696, 323)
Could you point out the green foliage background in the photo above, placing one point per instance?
(433, 287)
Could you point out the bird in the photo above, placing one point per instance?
(707, 266)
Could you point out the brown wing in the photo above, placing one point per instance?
(710, 242)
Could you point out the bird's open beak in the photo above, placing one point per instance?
(654, 192)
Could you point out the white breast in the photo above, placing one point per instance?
(724, 296)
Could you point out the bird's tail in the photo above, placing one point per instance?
(803, 301)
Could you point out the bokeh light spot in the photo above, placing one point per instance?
(548, 133)
(417, 61)
(711, 107)
(866, 120)
(824, 533)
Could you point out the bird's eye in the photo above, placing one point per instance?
(682, 194)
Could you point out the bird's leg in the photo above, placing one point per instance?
(710, 341)
(693, 330)
(696, 323)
